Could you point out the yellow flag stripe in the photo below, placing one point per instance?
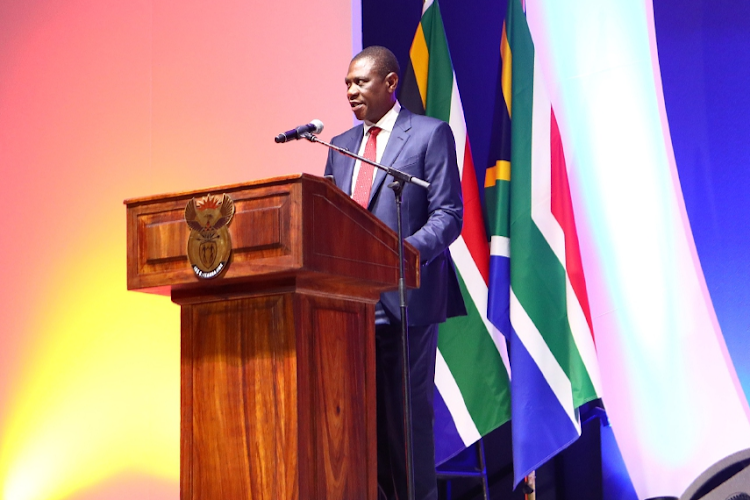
(499, 172)
(507, 72)
(420, 61)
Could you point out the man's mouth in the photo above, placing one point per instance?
(356, 105)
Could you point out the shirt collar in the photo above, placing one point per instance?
(387, 122)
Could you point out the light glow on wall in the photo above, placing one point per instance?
(101, 394)
(108, 100)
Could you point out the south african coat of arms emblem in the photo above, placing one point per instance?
(209, 245)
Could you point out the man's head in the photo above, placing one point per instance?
(371, 83)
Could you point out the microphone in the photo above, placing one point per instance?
(315, 127)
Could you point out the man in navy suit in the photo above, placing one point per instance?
(432, 219)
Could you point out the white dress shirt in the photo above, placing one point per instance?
(386, 125)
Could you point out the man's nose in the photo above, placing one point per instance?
(352, 91)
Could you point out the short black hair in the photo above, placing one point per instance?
(385, 61)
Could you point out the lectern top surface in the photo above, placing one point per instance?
(222, 189)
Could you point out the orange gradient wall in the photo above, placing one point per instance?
(102, 100)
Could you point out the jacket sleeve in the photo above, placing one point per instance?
(444, 203)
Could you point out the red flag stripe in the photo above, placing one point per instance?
(473, 231)
(562, 210)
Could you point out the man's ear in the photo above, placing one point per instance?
(391, 80)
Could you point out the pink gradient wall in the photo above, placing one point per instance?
(106, 100)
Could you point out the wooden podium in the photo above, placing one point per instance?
(278, 363)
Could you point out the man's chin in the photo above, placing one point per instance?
(359, 113)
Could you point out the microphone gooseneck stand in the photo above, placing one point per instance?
(400, 180)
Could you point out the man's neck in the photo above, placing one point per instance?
(387, 120)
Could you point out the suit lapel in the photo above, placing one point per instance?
(398, 138)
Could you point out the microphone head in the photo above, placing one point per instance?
(318, 126)
(314, 127)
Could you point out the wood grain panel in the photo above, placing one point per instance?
(169, 240)
(337, 405)
(343, 241)
(261, 227)
(243, 400)
(270, 386)
(263, 234)
(355, 245)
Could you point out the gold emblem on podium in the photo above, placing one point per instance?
(209, 245)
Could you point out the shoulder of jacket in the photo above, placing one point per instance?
(427, 121)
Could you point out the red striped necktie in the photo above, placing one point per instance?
(364, 180)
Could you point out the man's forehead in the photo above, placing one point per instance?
(362, 65)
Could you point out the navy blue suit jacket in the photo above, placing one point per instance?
(432, 219)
